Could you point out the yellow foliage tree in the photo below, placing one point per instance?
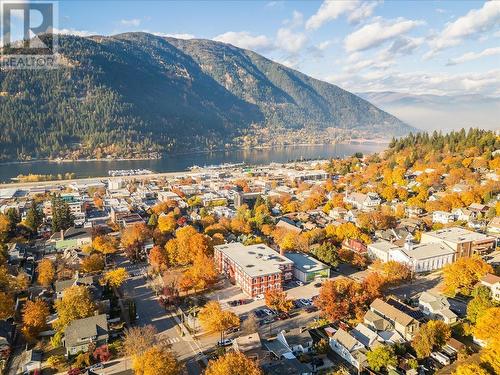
(233, 363)
(487, 326)
(470, 369)
(167, 223)
(116, 277)
(76, 303)
(35, 315)
(462, 275)
(155, 360)
(46, 272)
(213, 319)
(6, 305)
(278, 300)
(105, 244)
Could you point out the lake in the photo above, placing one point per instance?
(181, 162)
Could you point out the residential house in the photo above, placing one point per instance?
(81, 333)
(464, 214)
(249, 345)
(297, 339)
(436, 306)
(403, 323)
(443, 217)
(385, 330)
(492, 282)
(365, 335)
(31, 361)
(493, 226)
(349, 348)
(288, 225)
(61, 286)
(362, 201)
(288, 366)
(354, 245)
(72, 238)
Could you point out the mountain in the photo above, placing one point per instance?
(444, 112)
(136, 93)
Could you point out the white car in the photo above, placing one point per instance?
(268, 312)
(225, 342)
(259, 297)
(299, 283)
(305, 302)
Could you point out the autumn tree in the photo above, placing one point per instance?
(470, 369)
(327, 253)
(167, 223)
(200, 275)
(342, 298)
(7, 305)
(92, 263)
(233, 363)
(134, 237)
(487, 326)
(382, 356)
(76, 303)
(394, 272)
(479, 304)
(155, 360)
(249, 325)
(462, 275)
(46, 272)
(105, 244)
(431, 336)
(212, 318)
(277, 300)
(158, 259)
(138, 339)
(186, 245)
(491, 355)
(115, 278)
(35, 315)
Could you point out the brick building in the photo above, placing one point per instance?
(255, 268)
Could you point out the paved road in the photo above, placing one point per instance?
(150, 312)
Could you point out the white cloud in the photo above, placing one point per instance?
(135, 22)
(329, 11)
(470, 56)
(290, 41)
(177, 35)
(296, 21)
(362, 12)
(82, 33)
(324, 45)
(485, 83)
(474, 22)
(244, 39)
(376, 33)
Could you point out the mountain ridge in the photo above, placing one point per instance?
(135, 94)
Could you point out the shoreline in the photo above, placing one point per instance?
(166, 155)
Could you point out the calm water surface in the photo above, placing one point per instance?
(180, 162)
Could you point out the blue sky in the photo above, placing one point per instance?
(438, 47)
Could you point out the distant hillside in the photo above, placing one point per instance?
(136, 93)
(445, 112)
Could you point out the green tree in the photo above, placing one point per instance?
(62, 218)
(381, 357)
(327, 253)
(479, 304)
(34, 217)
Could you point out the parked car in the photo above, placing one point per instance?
(268, 312)
(259, 297)
(225, 342)
(299, 283)
(283, 316)
(311, 309)
(97, 366)
(441, 358)
(232, 330)
(305, 302)
(318, 285)
(260, 314)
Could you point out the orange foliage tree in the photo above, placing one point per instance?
(277, 300)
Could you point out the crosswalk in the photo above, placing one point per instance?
(135, 269)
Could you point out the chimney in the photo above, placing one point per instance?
(62, 234)
(282, 251)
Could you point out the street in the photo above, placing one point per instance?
(149, 311)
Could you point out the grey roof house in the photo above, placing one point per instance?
(82, 332)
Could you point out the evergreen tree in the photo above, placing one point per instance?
(61, 215)
(34, 218)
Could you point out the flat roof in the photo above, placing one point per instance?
(457, 235)
(305, 263)
(255, 260)
(428, 250)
